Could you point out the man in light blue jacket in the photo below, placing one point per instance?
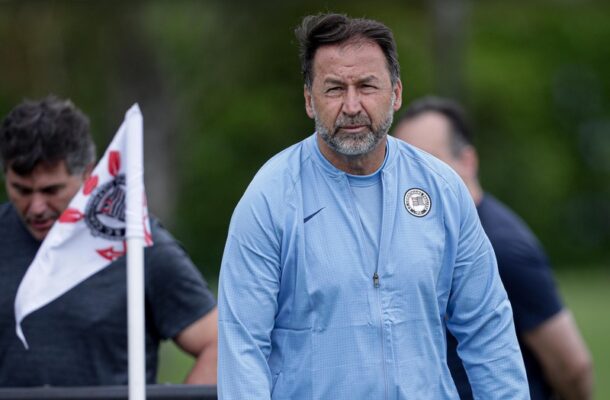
(351, 252)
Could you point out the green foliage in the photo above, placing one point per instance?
(220, 82)
(536, 84)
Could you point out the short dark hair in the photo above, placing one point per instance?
(46, 131)
(461, 132)
(325, 29)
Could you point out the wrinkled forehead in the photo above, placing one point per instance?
(356, 54)
(357, 43)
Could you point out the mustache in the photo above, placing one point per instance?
(41, 218)
(359, 119)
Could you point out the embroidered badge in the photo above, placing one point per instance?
(417, 202)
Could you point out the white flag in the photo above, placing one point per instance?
(90, 233)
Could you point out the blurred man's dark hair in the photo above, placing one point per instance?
(461, 132)
(46, 131)
(326, 29)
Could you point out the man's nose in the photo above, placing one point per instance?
(38, 204)
(351, 102)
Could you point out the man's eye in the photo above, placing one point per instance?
(51, 190)
(368, 88)
(334, 89)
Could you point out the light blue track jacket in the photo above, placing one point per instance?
(302, 318)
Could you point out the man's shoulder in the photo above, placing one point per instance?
(165, 246)
(491, 207)
(286, 163)
(9, 219)
(6, 210)
(503, 226)
(520, 255)
(167, 257)
(159, 233)
(523, 265)
(277, 178)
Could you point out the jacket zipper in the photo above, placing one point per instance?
(376, 285)
(385, 373)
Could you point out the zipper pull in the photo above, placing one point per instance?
(376, 280)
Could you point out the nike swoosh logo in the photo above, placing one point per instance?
(312, 215)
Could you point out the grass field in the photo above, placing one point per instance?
(586, 292)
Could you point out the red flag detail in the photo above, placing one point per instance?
(71, 215)
(111, 254)
(90, 185)
(114, 162)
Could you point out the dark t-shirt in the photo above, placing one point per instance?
(80, 338)
(528, 279)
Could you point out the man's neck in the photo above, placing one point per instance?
(474, 187)
(364, 164)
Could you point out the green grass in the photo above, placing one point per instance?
(174, 364)
(585, 291)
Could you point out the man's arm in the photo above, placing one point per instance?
(200, 339)
(479, 313)
(564, 357)
(546, 326)
(181, 305)
(248, 301)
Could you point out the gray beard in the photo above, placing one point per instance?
(354, 144)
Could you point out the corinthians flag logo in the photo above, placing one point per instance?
(104, 212)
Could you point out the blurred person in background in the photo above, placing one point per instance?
(556, 358)
(80, 338)
(351, 252)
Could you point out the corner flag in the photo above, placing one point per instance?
(109, 208)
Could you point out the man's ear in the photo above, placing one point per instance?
(308, 102)
(397, 89)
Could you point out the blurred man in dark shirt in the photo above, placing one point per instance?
(556, 358)
(80, 339)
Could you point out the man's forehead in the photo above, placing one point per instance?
(356, 43)
(428, 123)
(42, 171)
(353, 54)
(428, 131)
